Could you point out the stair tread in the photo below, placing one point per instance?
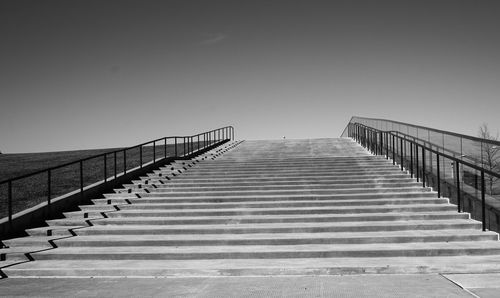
(291, 235)
(457, 246)
(237, 225)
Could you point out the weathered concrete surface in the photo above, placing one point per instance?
(270, 286)
(263, 208)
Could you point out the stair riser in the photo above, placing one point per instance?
(162, 188)
(104, 206)
(291, 241)
(332, 219)
(267, 255)
(158, 192)
(309, 179)
(282, 212)
(186, 175)
(149, 209)
(172, 184)
(277, 168)
(251, 230)
(351, 218)
(271, 271)
(125, 199)
(169, 205)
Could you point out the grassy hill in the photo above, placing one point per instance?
(33, 190)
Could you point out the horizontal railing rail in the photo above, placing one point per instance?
(157, 150)
(397, 146)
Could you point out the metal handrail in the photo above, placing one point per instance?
(382, 142)
(208, 138)
(472, 138)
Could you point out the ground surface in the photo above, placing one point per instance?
(424, 285)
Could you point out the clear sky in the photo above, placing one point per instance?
(108, 73)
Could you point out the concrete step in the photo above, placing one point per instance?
(238, 211)
(338, 189)
(256, 267)
(201, 203)
(159, 197)
(280, 168)
(190, 220)
(327, 204)
(168, 188)
(150, 209)
(297, 173)
(270, 239)
(324, 191)
(122, 199)
(271, 251)
(54, 230)
(134, 227)
(308, 179)
(310, 182)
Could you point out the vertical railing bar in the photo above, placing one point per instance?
(386, 145)
(417, 170)
(438, 173)
(124, 161)
(49, 187)
(154, 151)
(176, 147)
(457, 168)
(105, 168)
(401, 152)
(423, 166)
(165, 149)
(411, 159)
(114, 158)
(81, 179)
(393, 151)
(9, 201)
(140, 156)
(483, 201)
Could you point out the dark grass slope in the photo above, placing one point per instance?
(30, 191)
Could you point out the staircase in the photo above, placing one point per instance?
(287, 207)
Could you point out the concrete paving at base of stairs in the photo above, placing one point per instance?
(423, 285)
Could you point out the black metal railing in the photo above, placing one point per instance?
(423, 162)
(25, 191)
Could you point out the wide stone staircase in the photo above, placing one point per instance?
(320, 206)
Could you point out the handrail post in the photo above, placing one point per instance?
(381, 148)
(423, 166)
(457, 169)
(175, 146)
(140, 156)
(114, 158)
(417, 170)
(81, 179)
(49, 188)
(165, 149)
(198, 142)
(483, 201)
(401, 152)
(105, 168)
(154, 151)
(184, 146)
(393, 150)
(124, 162)
(438, 173)
(9, 202)
(411, 159)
